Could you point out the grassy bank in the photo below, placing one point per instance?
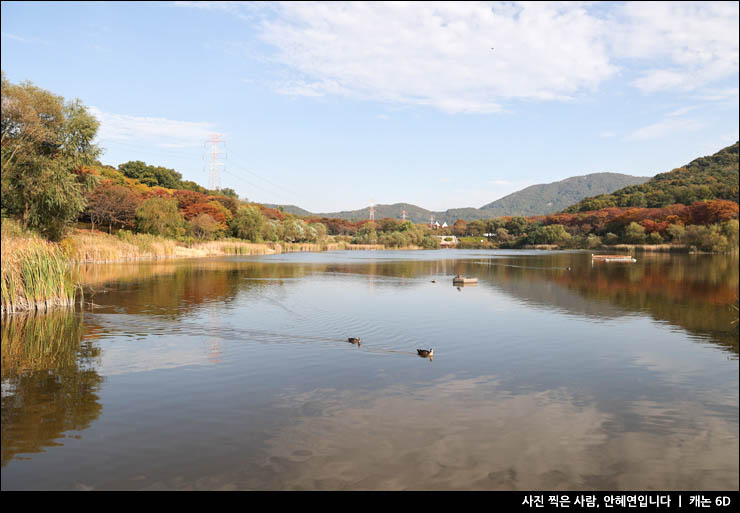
(83, 246)
(36, 274)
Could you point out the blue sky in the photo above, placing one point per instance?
(330, 106)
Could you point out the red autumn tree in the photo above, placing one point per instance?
(205, 208)
(113, 204)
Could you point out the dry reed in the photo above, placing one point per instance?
(36, 274)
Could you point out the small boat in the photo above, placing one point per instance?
(425, 352)
(353, 340)
(458, 280)
(613, 258)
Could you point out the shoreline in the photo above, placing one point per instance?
(39, 276)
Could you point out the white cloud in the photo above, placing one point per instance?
(720, 94)
(239, 9)
(8, 35)
(161, 132)
(664, 128)
(695, 43)
(682, 111)
(439, 54)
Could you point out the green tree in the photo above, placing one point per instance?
(272, 230)
(611, 238)
(634, 234)
(320, 230)
(476, 228)
(654, 238)
(730, 231)
(151, 175)
(550, 234)
(516, 225)
(160, 216)
(675, 232)
(406, 226)
(44, 140)
(248, 223)
(294, 230)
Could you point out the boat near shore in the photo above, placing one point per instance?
(462, 280)
(612, 258)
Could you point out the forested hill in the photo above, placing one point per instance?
(538, 199)
(705, 178)
(553, 197)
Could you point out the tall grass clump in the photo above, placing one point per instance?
(36, 274)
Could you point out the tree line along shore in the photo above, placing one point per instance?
(62, 206)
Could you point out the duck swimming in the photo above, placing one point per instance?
(425, 352)
(353, 340)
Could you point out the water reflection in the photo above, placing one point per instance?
(544, 440)
(237, 373)
(50, 385)
(694, 292)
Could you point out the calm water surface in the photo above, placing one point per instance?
(235, 373)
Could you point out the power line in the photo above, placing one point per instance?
(160, 152)
(265, 179)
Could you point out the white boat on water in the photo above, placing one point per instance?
(612, 258)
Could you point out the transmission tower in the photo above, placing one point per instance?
(372, 211)
(403, 215)
(214, 166)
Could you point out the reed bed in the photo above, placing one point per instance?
(365, 246)
(228, 247)
(541, 246)
(650, 248)
(97, 247)
(36, 274)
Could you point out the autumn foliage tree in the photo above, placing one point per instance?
(113, 204)
(204, 227)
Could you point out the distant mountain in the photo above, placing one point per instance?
(554, 197)
(534, 200)
(705, 178)
(289, 209)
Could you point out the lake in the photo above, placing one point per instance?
(236, 373)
